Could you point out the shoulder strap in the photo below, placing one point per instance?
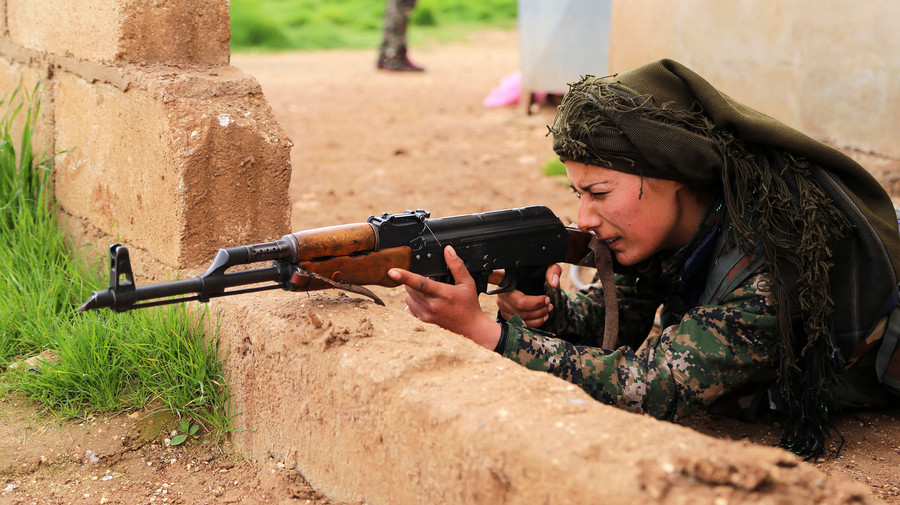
(729, 271)
(887, 361)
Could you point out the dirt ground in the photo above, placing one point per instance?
(365, 142)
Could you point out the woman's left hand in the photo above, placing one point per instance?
(452, 307)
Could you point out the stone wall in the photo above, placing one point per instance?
(163, 146)
(827, 68)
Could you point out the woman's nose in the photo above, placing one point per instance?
(588, 218)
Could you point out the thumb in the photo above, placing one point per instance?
(553, 272)
(461, 275)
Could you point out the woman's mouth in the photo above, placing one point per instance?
(610, 242)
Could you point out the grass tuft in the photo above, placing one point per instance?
(75, 363)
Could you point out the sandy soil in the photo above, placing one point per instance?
(365, 142)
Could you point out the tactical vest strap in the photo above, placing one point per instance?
(729, 271)
(887, 361)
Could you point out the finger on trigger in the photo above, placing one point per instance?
(497, 277)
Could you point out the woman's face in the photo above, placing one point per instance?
(633, 224)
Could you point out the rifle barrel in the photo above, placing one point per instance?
(203, 286)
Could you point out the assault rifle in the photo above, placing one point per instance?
(523, 242)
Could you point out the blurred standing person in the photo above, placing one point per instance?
(392, 55)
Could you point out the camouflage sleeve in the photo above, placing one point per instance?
(714, 349)
(580, 317)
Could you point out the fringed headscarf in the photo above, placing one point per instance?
(664, 121)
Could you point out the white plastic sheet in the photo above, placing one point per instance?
(560, 41)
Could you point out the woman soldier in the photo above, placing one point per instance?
(772, 255)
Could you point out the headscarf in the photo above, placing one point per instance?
(796, 197)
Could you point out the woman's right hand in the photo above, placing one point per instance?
(533, 309)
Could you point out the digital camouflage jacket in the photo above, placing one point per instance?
(702, 353)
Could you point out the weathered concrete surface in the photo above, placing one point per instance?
(3, 17)
(189, 32)
(179, 162)
(827, 68)
(371, 404)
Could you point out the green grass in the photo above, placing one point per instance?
(102, 361)
(329, 24)
(554, 167)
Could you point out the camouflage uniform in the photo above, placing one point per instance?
(392, 55)
(823, 225)
(702, 353)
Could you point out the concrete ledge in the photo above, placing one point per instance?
(371, 404)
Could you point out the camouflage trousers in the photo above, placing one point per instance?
(707, 352)
(396, 17)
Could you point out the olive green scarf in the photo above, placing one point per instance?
(797, 197)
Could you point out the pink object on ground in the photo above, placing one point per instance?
(508, 92)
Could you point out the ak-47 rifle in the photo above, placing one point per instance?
(523, 242)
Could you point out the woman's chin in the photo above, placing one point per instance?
(625, 259)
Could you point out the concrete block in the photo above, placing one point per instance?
(192, 32)
(372, 405)
(183, 32)
(176, 163)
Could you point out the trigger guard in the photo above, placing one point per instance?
(507, 284)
